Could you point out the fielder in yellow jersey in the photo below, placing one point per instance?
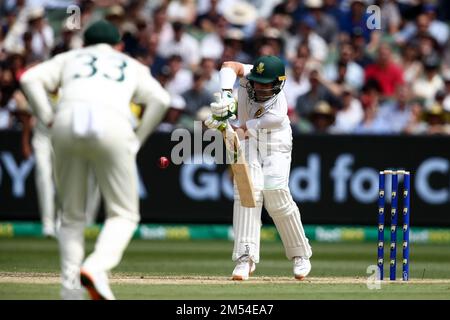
(93, 128)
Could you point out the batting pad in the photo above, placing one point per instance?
(247, 221)
(286, 216)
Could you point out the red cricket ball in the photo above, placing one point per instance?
(163, 162)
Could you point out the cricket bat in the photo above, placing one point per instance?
(239, 167)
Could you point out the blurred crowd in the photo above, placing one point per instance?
(348, 71)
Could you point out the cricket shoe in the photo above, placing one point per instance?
(302, 267)
(244, 268)
(97, 285)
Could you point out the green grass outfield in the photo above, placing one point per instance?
(29, 269)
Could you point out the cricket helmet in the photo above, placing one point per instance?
(267, 69)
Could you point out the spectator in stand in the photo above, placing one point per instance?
(6, 76)
(322, 117)
(197, 97)
(385, 71)
(361, 54)
(207, 22)
(411, 64)
(234, 46)
(42, 38)
(438, 28)
(416, 125)
(305, 34)
(331, 7)
(354, 73)
(430, 82)
(9, 20)
(178, 79)
(182, 10)
(435, 121)
(318, 92)
(327, 27)
(182, 44)
(294, 8)
(67, 41)
(157, 61)
(297, 82)
(351, 114)
(17, 63)
(137, 40)
(172, 118)
(303, 52)
(426, 45)
(30, 56)
(354, 21)
(390, 16)
(370, 101)
(397, 113)
(12, 101)
(39, 34)
(163, 28)
(212, 44)
(281, 21)
(266, 50)
(426, 22)
(272, 37)
(116, 15)
(208, 66)
(241, 14)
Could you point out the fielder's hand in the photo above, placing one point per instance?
(225, 106)
(212, 123)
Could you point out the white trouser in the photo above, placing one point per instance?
(111, 156)
(270, 174)
(42, 147)
(93, 199)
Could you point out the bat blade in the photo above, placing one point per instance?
(240, 170)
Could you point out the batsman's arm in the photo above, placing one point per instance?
(156, 100)
(37, 81)
(229, 71)
(267, 121)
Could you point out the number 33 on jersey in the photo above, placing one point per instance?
(99, 75)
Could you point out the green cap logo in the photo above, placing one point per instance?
(260, 68)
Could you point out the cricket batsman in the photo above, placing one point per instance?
(262, 113)
(92, 129)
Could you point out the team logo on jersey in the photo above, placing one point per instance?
(259, 112)
(260, 68)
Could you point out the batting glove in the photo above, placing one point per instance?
(225, 106)
(213, 123)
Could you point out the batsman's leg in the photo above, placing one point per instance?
(285, 213)
(247, 221)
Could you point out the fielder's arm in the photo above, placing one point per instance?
(156, 100)
(37, 81)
